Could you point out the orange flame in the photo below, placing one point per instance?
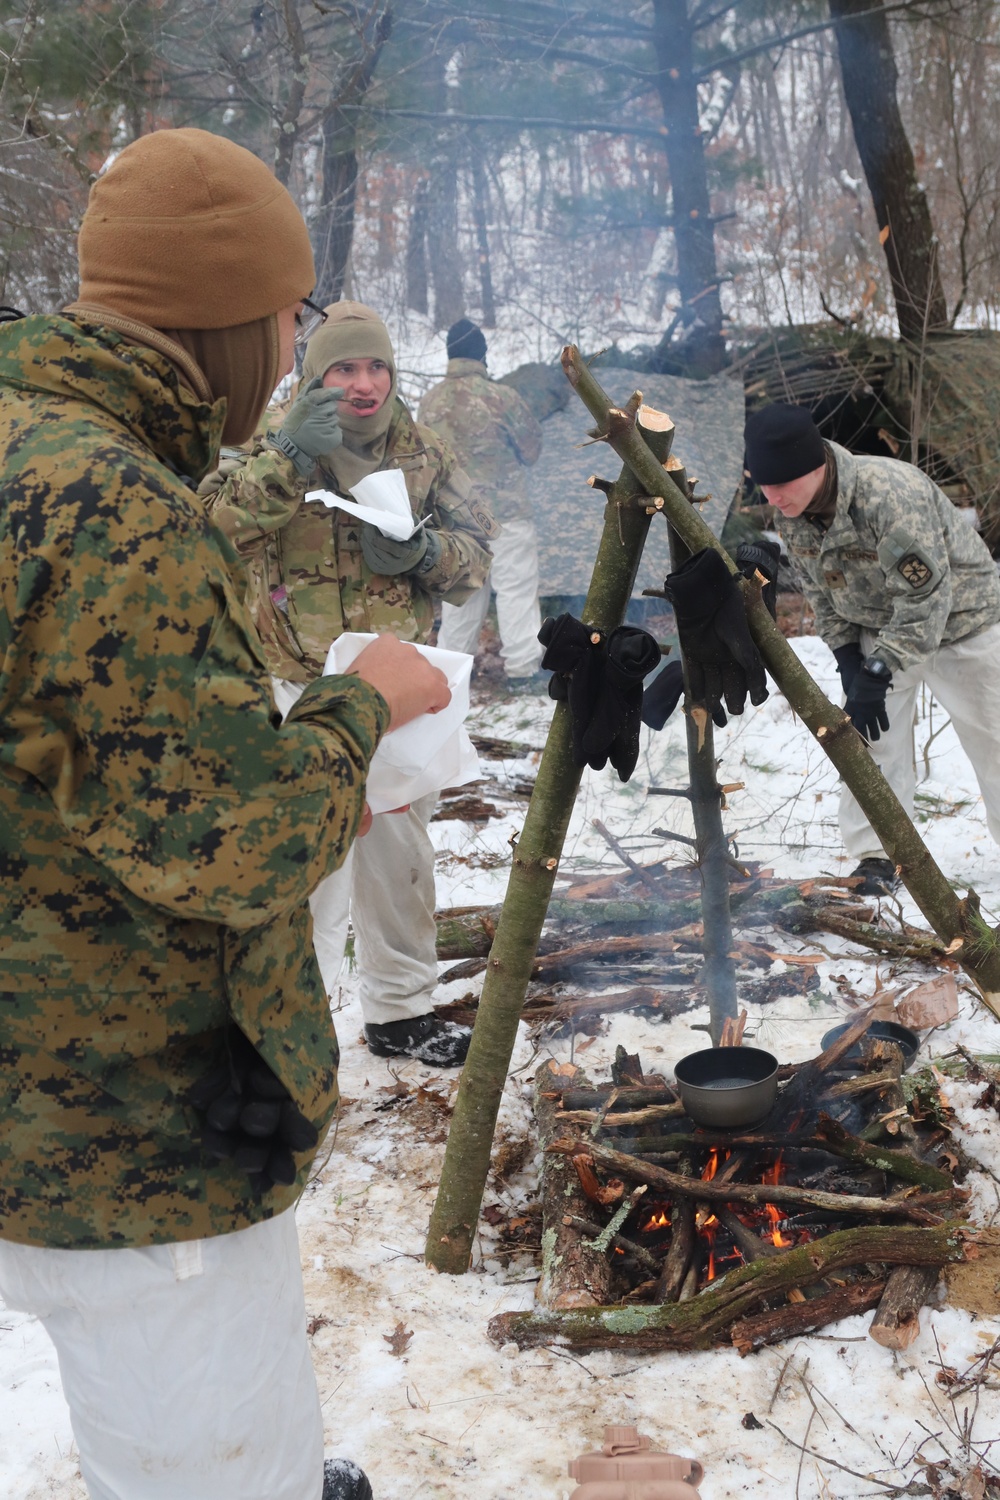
(657, 1220)
(773, 1175)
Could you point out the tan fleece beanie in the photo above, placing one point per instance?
(188, 230)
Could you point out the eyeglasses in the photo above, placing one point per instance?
(307, 321)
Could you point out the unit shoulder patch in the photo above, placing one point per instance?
(914, 570)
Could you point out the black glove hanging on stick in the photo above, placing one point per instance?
(600, 678)
(722, 660)
(663, 695)
(764, 557)
(575, 654)
(250, 1117)
(613, 731)
(865, 706)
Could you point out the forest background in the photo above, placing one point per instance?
(674, 175)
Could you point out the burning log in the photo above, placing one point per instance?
(896, 1163)
(907, 1205)
(708, 1319)
(796, 1318)
(897, 1322)
(574, 1274)
(679, 1256)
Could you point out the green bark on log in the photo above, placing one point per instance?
(957, 921)
(706, 1320)
(533, 872)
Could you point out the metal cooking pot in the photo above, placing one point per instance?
(883, 1031)
(727, 1086)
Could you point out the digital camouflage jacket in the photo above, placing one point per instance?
(492, 430)
(897, 561)
(160, 828)
(308, 580)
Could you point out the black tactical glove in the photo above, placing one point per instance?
(250, 1117)
(763, 557)
(865, 706)
(311, 427)
(576, 655)
(722, 660)
(385, 555)
(613, 731)
(850, 660)
(663, 695)
(601, 680)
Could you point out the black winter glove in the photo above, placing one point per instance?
(663, 695)
(850, 660)
(601, 681)
(576, 655)
(385, 555)
(722, 660)
(762, 556)
(250, 1117)
(613, 730)
(865, 706)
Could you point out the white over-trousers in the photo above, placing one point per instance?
(386, 888)
(186, 1367)
(514, 577)
(965, 680)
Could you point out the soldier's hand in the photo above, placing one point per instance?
(311, 427)
(386, 555)
(865, 706)
(406, 680)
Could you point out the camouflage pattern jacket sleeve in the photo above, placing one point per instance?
(160, 827)
(308, 581)
(897, 561)
(491, 429)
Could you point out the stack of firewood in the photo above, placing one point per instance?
(659, 1235)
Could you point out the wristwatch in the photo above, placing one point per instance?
(877, 668)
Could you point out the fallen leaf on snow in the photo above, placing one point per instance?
(398, 1340)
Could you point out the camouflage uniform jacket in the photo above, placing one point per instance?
(160, 829)
(897, 561)
(491, 429)
(309, 582)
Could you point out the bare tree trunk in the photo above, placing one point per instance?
(333, 227)
(868, 67)
(694, 234)
(416, 250)
(480, 207)
(442, 237)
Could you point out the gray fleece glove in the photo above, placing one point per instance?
(385, 555)
(312, 426)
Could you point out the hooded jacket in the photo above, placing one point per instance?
(492, 430)
(160, 828)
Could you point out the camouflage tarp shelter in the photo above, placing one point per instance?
(937, 406)
(708, 415)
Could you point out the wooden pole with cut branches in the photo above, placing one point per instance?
(533, 873)
(956, 920)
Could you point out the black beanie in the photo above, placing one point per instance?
(466, 341)
(782, 443)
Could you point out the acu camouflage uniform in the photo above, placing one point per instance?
(492, 429)
(897, 562)
(309, 582)
(160, 830)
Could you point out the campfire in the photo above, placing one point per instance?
(658, 1232)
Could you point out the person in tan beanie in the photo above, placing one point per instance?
(317, 573)
(168, 1064)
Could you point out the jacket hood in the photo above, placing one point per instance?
(138, 388)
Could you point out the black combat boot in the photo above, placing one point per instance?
(878, 877)
(343, 1480)
(442, 1044)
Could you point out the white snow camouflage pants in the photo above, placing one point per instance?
(514, 577)
(186, 1367)
(965, 679)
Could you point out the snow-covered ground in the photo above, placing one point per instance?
(450, 1415)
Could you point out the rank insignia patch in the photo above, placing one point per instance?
(913, 568)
